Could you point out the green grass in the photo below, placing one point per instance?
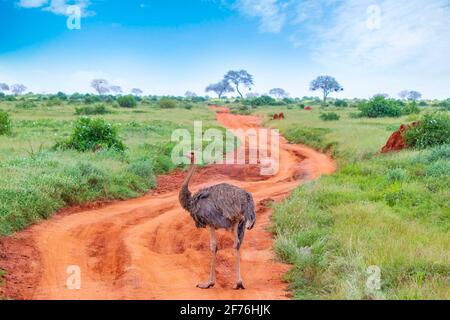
(388, 210)
(36, 179)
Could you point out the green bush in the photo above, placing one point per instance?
(411, 108)
(91, 110)
(262, 101)
(92, 135)
(144, 170)
(26, 105)
(166, 103)
(127, 101)
(341, 103)
(379, 106)
(314, 137)
(330, 116)
(53, 101)
(397, 174)
(432, 130)
(5, 123)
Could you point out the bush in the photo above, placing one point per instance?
(88, 110)
(127, 101)
(92, 135)
(340, 103)
(144, 170)
(26, 105)
(379, 106)
(432, 130)
(262, 101)
(53, 101)
(5, 123)
(314, 137)
(411, 108)
(397, 174)
(166, 103)
(330, 116)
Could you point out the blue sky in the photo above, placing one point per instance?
(169, 47)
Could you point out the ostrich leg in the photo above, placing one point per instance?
(212, 273)
(237, 245)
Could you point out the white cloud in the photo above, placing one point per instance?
(269, 12)
(32, 3)
(409, 34)
(58, 7)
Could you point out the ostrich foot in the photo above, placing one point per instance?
(239, 285)
(207, 285)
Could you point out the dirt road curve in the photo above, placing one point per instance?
(148, 248)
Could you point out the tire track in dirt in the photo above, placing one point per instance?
(148, 248)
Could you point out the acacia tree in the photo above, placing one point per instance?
(100, 85)
(238, 78)
(278, 93)
(136, 91)
(403, 94)
(414, 95)
(18, 89)
(4, 87)
(190, 94)
(327, 84)
(116, 89)
(220, 88)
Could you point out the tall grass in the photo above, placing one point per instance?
(390, 211)
(36, 180)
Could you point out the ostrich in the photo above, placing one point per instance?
(222, 206)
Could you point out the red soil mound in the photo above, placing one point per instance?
(397, 141)
(308, 108)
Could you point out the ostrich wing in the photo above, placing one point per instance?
(205, 213)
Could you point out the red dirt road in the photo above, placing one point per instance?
(148, 248)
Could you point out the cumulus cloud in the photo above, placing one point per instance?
(269, 12)
(367, 33)
(32, 3)
(58, 7)
(404, 33)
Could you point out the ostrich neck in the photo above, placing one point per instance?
(185, 194)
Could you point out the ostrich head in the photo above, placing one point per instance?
(191, 156)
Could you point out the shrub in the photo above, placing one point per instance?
(340, 103)
(92, 135)
(26, 105)
(438, 168)
(262, 101)
(187, 106)
(379, 106)
(242, 109)
(88, 110)
(411, 108)
(397, 174)
(432, 130)
(314, 137)
(330, 116)
(5, 123)
(53, 101)
(166, 103)
(144, 170)
(127, 101)
(439, 152)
